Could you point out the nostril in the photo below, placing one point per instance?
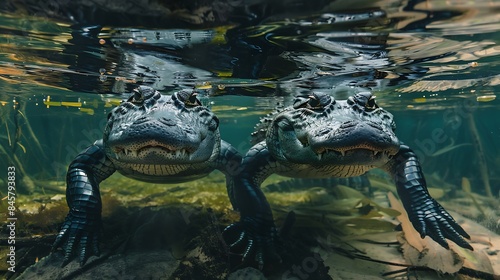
(348, 124)
(323, 132)
(189, 130)
(142, 119)
(166, 121)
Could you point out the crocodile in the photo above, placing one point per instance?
(322, 137)
(149, 137)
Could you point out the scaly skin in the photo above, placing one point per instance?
(151, 138)
(319, 137)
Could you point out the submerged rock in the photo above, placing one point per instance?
(136, 265)
(178, 242)
(248, 273)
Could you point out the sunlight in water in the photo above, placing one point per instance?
(65, 65)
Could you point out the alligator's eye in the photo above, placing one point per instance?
(192, 100)
(189, 98)
(137, 98)
(370, 104)
(314, 101)
(143, 93)
(366, 99)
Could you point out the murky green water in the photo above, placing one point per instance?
(433, 64)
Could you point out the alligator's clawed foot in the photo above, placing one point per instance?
(254, 242)
(78, 235)
(431, 219)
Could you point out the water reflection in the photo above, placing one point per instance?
(381, 48)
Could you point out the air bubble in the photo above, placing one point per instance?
(474, 64)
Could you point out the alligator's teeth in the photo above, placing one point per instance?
(178, 153)
(117, 155)
(375, 153)
(134, 153)
(320, 156)
(342, 153)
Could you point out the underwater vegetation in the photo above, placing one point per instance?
(16, 139)
(177, 227)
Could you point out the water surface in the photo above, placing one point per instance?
(433, 64)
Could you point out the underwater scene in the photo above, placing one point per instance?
(258, 139)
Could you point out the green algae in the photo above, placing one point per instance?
(208, 192)
(186, 219)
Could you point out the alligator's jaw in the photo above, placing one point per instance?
(332, 143)
(157, 162)
(368, 152)
(151, 151)
(125, 153)
(152, 172)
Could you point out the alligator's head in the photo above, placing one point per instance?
(319, 132)
(150, 136)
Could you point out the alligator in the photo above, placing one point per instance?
(149, 137)
(322, 137)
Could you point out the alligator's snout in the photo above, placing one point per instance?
(349, 127)
(162, 121)
(354, 134)
(175, 137)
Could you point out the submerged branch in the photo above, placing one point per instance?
(483, 167)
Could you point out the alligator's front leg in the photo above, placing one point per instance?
(255, 231)
(229, 163)
(426, 214)
(82, 225)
